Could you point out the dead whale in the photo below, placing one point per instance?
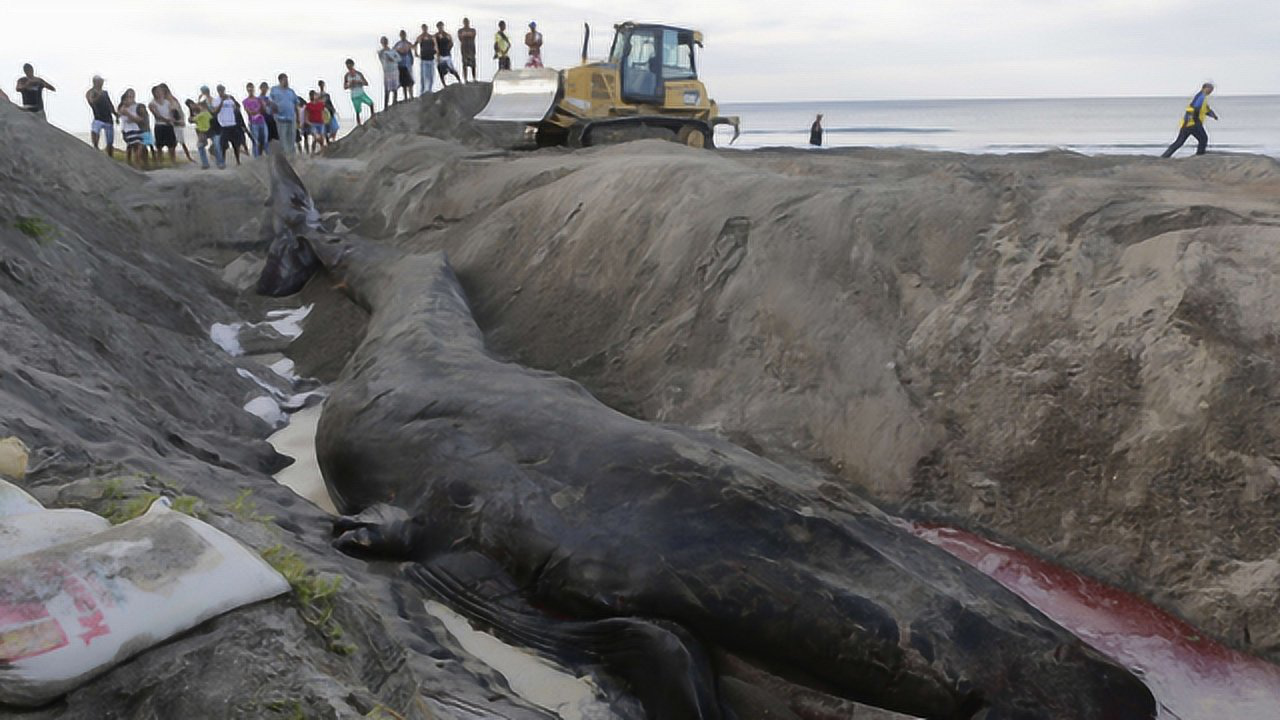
(437, 447)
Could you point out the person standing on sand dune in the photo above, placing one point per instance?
(444, 54)
(533, 41)
(502, 46)
(426, 61)
(203, 120)
(355, 81)
(315, 120)
(273, 133)
(224, 108)
(284, 106)
(1193, 122)
(815, 132)
(32, 88)
(331, 114)
(104, 115)
(179, 121)
(390, 61)
(162, 110)
(129, 112)
(256, 109)
(467, 46)
(404, 56)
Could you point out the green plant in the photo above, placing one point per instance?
(291, 708)
(314, 594)
(34, 228)
(118, 512)
(245, 509)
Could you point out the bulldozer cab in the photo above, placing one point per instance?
(648, 56)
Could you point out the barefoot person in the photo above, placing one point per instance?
(224, 109)
(390, 61)
(1193, 122)
(444, 54)
(203, 120)
(533, 41)
(355, 82)
(104, 116)
(426, 60)
(467, 46)
(31, 87)
(330, 114)
(502, 46)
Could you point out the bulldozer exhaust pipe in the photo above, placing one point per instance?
(586, 41)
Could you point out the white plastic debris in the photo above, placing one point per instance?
(13, 458)
(73, 611)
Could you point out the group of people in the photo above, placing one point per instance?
(433, 51)
(222, 121)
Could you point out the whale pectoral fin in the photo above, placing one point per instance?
(660, 663)
(383, 531)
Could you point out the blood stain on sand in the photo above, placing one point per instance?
(1192, 676)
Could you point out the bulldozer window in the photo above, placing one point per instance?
(677, 56)
(641, 69)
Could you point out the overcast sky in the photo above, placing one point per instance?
(755, 49)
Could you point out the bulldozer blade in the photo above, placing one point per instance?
(525, 95)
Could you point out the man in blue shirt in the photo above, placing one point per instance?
(1193, 122)
(284, 105)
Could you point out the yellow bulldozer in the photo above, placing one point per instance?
(648, 87)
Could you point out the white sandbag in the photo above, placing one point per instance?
(13, 458)
(34, 531)
(75, 610)
(15, 501)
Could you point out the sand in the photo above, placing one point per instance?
(298, 441)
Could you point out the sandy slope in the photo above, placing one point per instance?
(1075, 354)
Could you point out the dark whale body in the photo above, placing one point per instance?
(439, 449)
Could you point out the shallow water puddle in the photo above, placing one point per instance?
(1191, 676)
(530, 677)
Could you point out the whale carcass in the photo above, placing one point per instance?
(637, 544)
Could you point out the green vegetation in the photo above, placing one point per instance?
(117, 508)
(35, 228)
(314, 594)
(244, 509)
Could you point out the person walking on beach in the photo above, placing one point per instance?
(131, 120)
(162, 110)
(467, 46)
(104, 116)
(331, 114)
(502, 46)
(444, 54)
(404, 56)
(256, 109)
(1193, 122)
(203, 120)
(426, 60)
(283, 103)
(355, 82)
(815, 132)
(31, 87)
(390, 61)
(533, 41)
(179, 120)
(230, 136)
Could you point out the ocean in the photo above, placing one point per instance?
(1146, 126)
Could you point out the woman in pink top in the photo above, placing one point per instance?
(256, 111)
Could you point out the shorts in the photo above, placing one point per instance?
(315, 129)
(469, 61)
(180, 134)
(445, 61)
(231, 137)
(391, 79)
(165, 137)
(106, 128)
(406, 77)
(504, 63)
(132, 137)
(360, 98)
(148, 139)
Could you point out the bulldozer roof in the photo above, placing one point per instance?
(629, 25)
